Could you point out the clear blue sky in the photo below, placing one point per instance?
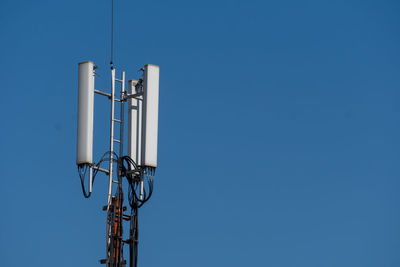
(278, 137)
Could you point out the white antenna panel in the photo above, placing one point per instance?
(134, 124)
(150, 115)
(85, 113)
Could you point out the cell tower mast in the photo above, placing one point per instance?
(132, 172)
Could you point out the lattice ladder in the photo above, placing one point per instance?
(114, 203)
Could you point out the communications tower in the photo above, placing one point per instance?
(130, 176)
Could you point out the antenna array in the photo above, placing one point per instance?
(134, 170)
(137, 168)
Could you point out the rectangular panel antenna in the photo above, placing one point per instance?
(85, 113)
(150, 116)
(134, 123)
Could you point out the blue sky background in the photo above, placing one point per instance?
(278, 136)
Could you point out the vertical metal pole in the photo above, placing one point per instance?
(90, 179)
(111, 137)
(108, 230)
(141, 187)
(121, 124)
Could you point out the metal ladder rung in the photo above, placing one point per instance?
(115, 182)
(115, 140)
(117, 120)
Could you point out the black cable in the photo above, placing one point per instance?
(135, 176)
(136, 203)
(82, 170)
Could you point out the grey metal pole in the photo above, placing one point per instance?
(121, 124)
(111, 138)
(108, 230)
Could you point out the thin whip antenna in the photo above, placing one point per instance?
(112, 34)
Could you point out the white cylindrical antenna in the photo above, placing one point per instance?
(85, 113)
(134, 123)
(150, 116)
